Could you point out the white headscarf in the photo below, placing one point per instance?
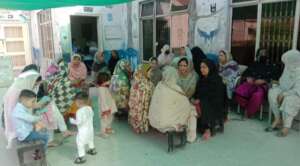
(165, 48)
(291, 60)
(26, 80)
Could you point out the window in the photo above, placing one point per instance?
(178, 5)
(234, 1)
(162, 7)
(162, 32)
(277, 27)
(147, 39)
(168, 25)
(46, 34)
(147, 9)
(243, 34)
(13, 32)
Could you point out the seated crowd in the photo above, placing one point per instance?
(186, 91)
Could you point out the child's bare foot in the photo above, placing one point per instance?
(109, 131)
(52, 144)
(103, 135)
(206, 136)
(36, 155)
(283, 133)
(68, 133)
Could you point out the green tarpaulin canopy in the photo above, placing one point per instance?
(43, 4)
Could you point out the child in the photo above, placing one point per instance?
(84, 122)
(25, 122)
(107, 104)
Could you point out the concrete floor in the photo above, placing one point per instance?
(244, 143)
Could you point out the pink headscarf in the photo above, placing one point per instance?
(77, 72)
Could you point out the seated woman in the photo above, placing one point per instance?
(211, 96)
(284, 99)
(197, 56)
(155, 72)
(170, 109)
(228, 70)
(182, 52)
(113, 61)
(77, 71)
(251, 93)
(61, 90)
(165, 57)
(99, 65)
(120, 85)
(139, 100)
(187, 78)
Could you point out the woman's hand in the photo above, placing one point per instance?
(39, 126)
(280, 99)
(197, 101)
(260, 82)
(250, 80)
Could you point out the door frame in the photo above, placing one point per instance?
(99, 28)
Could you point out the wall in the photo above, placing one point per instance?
(211, 25)
(113, 16)
(208, 28)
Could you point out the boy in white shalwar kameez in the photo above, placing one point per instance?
(107, 104)
(84, 122)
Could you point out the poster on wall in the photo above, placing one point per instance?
(6, 72)
(211, 25)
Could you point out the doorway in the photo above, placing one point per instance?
(84, 35)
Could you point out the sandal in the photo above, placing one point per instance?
(79, 160)
(92, 152)
(271, 129)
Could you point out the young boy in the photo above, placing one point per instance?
(24, 121)
(107, 104)
(84, 122)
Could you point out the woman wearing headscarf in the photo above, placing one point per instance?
(52, 69)
(165, 57)
(120, 84)
(30, 67)
(139, 100)
(77, 71)
(170, 109)
(183, 52)
(30, 80)
(198, 56)
(228, 70)
(113, 61)
(99, 65)
(154, 72)
(284, 99)
(187, 78)
(60, 88)
(250, 94)
(211, 96)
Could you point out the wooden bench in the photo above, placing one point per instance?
(23, 147)
(171, 136)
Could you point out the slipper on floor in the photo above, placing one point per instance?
(92, 152)
(79, 160)
(271, 129)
